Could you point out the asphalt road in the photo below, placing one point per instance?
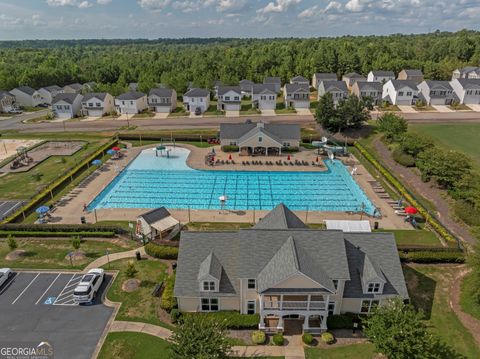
(16, 121)
(38, 307)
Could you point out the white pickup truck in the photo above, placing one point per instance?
(5, 274)
(87, 289)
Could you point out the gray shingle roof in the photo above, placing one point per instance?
(334, 85)
(323, 76)
(413, 72)
(100, 95)
(224, 89)
(299, 79)
(254, 132)
(352, 75)
(263, 89)
(281, 217)
(52, 88)
(398, 84)
(371, 270)
(272, 80)
(5, 94)
(76, 86)
(131, 95)
(66, 97)
(470, 84)
(246, 85)
(383, 73)
(161, 92)
(369, 86)
(26, 89)
(155, 215)
(438, 85)
(292, 88)
(197, 92)
(281, 131)
(211, 266)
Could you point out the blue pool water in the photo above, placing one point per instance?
(150, 182)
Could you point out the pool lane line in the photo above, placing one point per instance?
(25, 289)
(46, 290)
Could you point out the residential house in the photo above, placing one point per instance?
(287, 273)
(196, 98)
(469, 72)
(411, 75)
(229, 98)
(67, 105)
(133, 86)
(436, 92)
(368, 89)
(300, 80)
(276, 81)
(216, 85)
(157, 224)
(380, 76)
(467, 90)
(246, 87)
(400, 92)
(49, 92)
(322, 76)
(338, 89)
(89, 86)
(7, 101)
(260, 138)
(351, 78)
(97, 104)
(131, 103)
(264, 97)
(26, 96)
(162, 99)
(296, 96)
(73, 88)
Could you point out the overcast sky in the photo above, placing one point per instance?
(71, 19)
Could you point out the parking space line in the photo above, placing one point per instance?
(23, 291)
(66, 291)
(50, 286)
(7, 284)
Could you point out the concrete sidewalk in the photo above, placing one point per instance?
(100, 262)
(155, 330)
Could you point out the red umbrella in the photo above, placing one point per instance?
(229, 157)
(411, 210)
(288, 157)
(116, 148)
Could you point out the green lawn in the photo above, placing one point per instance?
(50, 254)
(280, 111)
(421, 238)
(357, 351)
(467, 301)
(429, 288)
(216, 226)
(389, 108)
(462, 137)
(140, 305)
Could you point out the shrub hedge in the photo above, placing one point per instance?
(433, 222)
(229, 148)
(307, 338)
(278, 339)
(60, 228)
(432, 256)
(403, 158)
(233, 320)
(343, 321)
(161, 252)
(43, 234)
(168, 301)
(259, 337)
(328, 338)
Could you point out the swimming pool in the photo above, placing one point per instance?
(150, 182)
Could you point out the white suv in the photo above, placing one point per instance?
(5, 274)
(87, 289)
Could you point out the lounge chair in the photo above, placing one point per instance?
(291, 163)
(243, 163)
(233, 162)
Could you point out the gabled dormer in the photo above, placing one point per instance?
(209, 274)
(372, 277)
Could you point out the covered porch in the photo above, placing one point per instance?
(260, 151)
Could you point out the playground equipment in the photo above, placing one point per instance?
(22, 159)
(323, 144)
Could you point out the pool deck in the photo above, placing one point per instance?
(72, 210)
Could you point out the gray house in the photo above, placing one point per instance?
(246, 87)
(97, 104)
(299, 80)
(26, 96)
(414, 75)
(264, 97)
(323, 76)
(67, 105)
(367, 89)
(73, 88)
(196, 98)
(469, 72)
(49, 92)
(260, 138)
(338, 89)
(436, 92)
(162, 100)
(229, 98)
(276, 81)
(297, 96)
(7, 101)
(380, 76)
(290, 275)
(351, 78)
(467, 90)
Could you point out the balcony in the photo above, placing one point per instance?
(294, 305)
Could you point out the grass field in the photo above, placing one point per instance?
(51, 254)
(357, 351)
(461, 137)
(422, 238)
(467, 299)
(140, 305)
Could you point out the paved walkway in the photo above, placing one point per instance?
(155, 330)
(100, 262)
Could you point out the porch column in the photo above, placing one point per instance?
(281, 301)
(305, 323)
(308, 301)
(280, 323)
(261, 325)
(261, 303)
(266, 151)
(323, 324)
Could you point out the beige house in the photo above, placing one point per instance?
(260, 138)
(157, 224)
(292, 276)
(411, 75)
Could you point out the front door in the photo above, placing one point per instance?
(293, 326)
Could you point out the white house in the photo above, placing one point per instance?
(49, 92)
(98, 104)
(400, 92)
(338, 89)
(297, 96)
(276, 81)
(131, 103)
(436, 92)
(7, 101)
(467, 90)
(67, 105)
(380, 76)
(299, 80)
(73, 88)
(469, 72)
(162, 100)
(264, 97)
(229, 98)
(323, 76)
(196, 98)
(290, 275)
(26, 96)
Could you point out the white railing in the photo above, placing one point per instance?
(294, 305)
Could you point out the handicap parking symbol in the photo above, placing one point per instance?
(50, 300)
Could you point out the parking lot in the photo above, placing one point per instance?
(38, 306)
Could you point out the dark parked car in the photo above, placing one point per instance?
(198, 111)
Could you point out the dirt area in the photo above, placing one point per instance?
(16, 254)
(44, 151)
(77, 256)
(9, 147)
(130, 285)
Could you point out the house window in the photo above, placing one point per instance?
(209, 304)
(98, 104)
(251, 307)
(409, 94)
(400, 93)
(201, 99)
(131, 103)
(252, 284)
(331, 308)
(227, 98)
(373, 288)
(368, 305)
(236, 98)
(208, 286)
(259, 139)
(90, 104)
(123, 102)
(335, 284)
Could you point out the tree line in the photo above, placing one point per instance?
(176, 62)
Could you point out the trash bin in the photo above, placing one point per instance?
(83, 220)
(174, 265)
(375, 225)
(138, 255)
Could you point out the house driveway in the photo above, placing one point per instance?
(161, 115)
(442, 108)
(475, 108)
(268, 112)
(90, 118)
(192, 115)
(303, 111)
(232, 113)
(406, 109)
